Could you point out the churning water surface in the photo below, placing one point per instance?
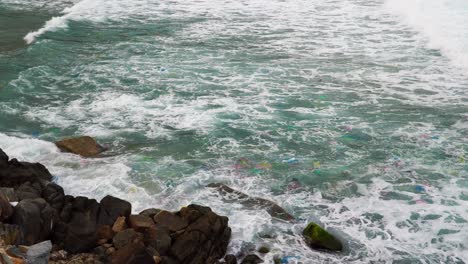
(350, 113)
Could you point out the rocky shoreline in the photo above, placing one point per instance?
(41, 224)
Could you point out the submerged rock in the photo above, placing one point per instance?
(318, 238)
(84, 146)
(253, 202)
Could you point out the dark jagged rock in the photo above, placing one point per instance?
(253, 202)
(114, 207)
(29, 190)
(251, 259)
(318, 238)
(54, 195)
(14, 173)
(84, 146)
(204, 240)
(36, 218)
(171, 221)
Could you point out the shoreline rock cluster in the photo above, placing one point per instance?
(39, 223)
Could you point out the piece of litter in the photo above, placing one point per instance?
(35, 134)
(291, 161)
(316, 164)
(419, 188)
(286, 259)
(264, 165)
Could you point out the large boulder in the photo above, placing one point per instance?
(204, 240)
(6, 210)
(252, 202)
(35, 218)
(84, 146)
(14, 173)
(318, 238)
(133, 253)
(82, 219)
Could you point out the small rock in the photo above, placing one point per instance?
(119, 224)
(318, 238)
(251, 259)
(151, 212)
(125, 237)
(140, 222)
(170, 220)
(84, 146)
(39, 253)
(263, 249)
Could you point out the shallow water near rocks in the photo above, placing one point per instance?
(353, 114)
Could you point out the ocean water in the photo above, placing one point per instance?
(350, 113)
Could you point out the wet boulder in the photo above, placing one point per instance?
(84, 146)
(204, 240)
(172, 221)
(112, 208)
(140, 222)
(126, 237)
(318, 238)
(158, 238)
(35, 218)
(14, 173)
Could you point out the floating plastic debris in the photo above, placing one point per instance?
(461, 159)
(132, 189)
(243, 163)
(264, 165)
(316, 164)
(419, 188)
(287, 259)
(291, 161)
(294, 185)
(55, 130)
(35, 134)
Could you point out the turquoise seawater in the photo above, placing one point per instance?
(350, 113)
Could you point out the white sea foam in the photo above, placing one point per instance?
(444, 23)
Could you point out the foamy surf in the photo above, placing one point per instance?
(443, 24)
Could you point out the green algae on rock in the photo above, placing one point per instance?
(318, 238)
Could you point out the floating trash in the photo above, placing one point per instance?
(243, 163)
(461, 159)
(294, 185)
(316, 164)
(291, 161)
(287, 259)
(264, 165)
(35, 134)
(419, 188)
